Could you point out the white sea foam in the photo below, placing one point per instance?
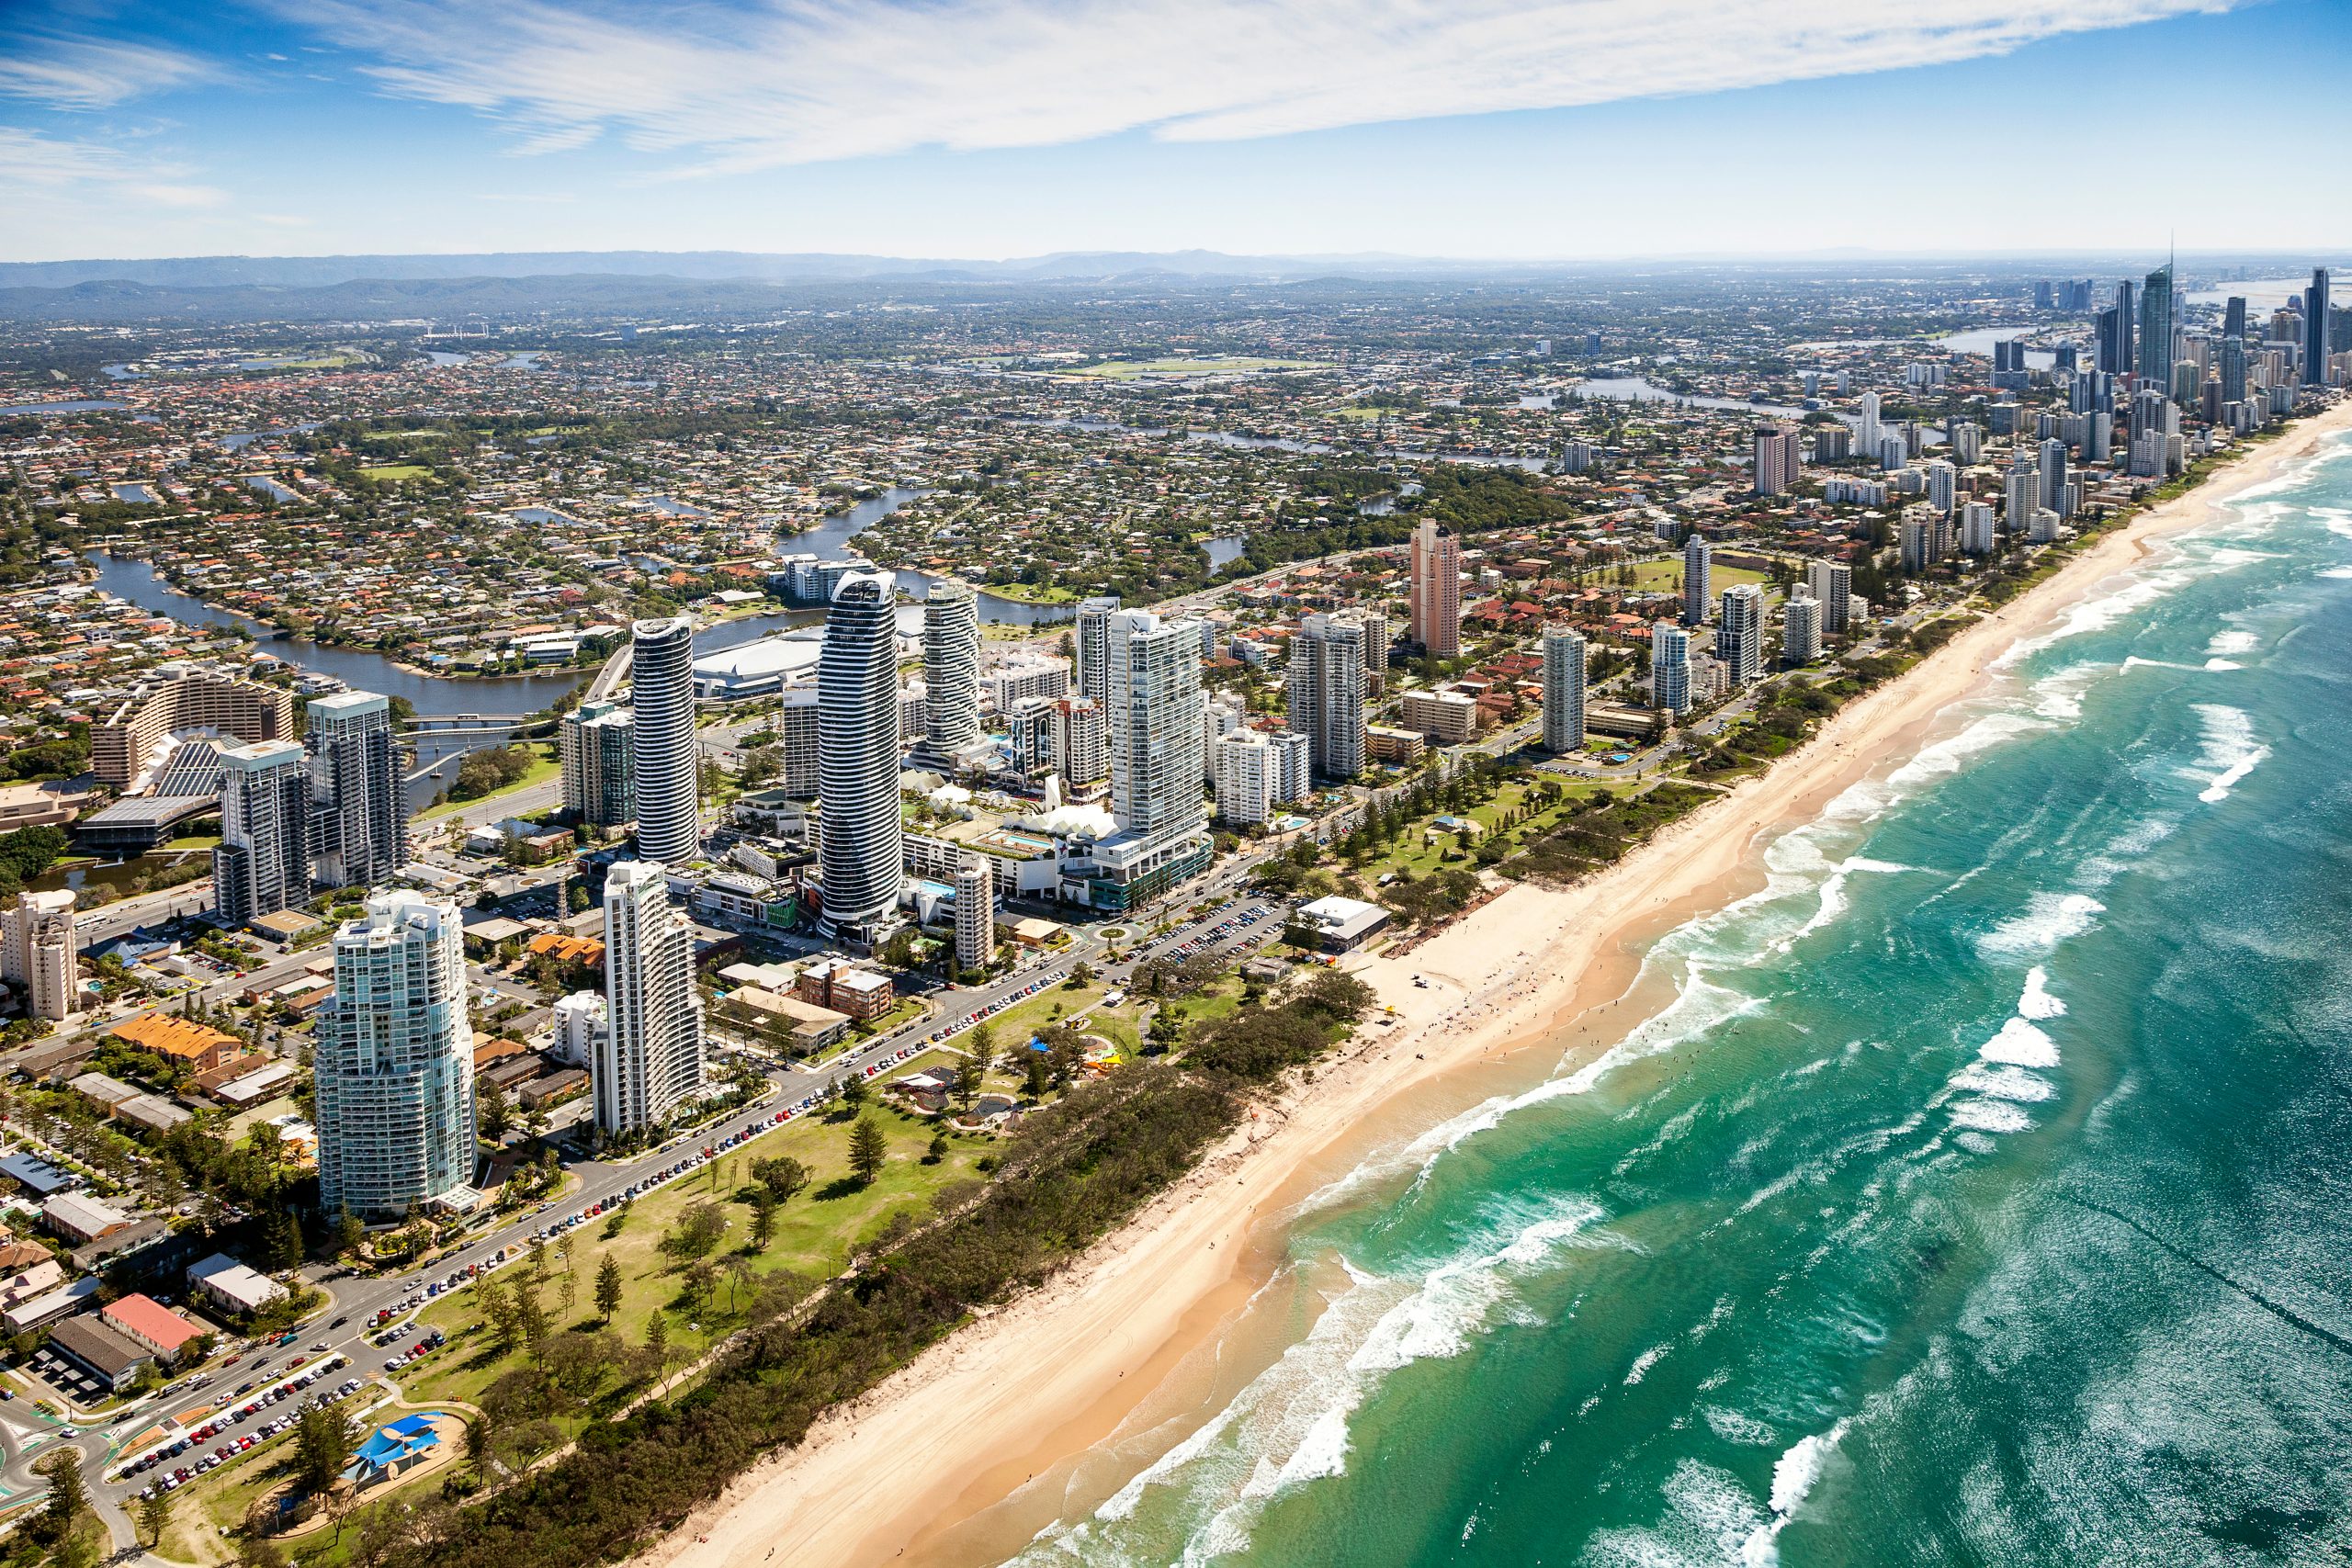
(1708, 1515)
(2234, 642)
(1643, 1362)
(2020, 1044)
(2005, 1083)
(2230, 752)
(1733, 1426)
(1794, 1476)
(1990, 1116)
(2137, 592)
(2219, 664)
(2048, 919)
(2059, 695)
(1945, 757)
(2038, 1002)
(1289, 1424)
(2337, 572)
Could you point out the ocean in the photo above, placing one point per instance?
(1980, 1196)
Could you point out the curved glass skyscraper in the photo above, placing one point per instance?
(864, 852)
(663, 749)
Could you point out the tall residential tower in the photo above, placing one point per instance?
(394, 1068)
(650, 1057)
(863, 855)
(1433, 591)
(666, 760)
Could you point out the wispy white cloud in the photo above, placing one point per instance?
(36, 165)
(91, 73)
(729, 89)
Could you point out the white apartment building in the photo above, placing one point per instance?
(652, 1057)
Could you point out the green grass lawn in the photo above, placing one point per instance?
(545, 765)
(1414, 851)
(1016, 1025)
(815, 1234)
(396, 473)
(1654, 575)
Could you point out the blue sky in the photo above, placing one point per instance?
(940, 128)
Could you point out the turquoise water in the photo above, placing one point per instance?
(1982, 1197)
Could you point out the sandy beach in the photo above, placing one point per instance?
(1532, 976)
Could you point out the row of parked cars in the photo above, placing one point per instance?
(219, 1425)
(978, 1016)
(430, 1342)
(1219, 931)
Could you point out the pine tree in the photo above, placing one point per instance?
(67, 1496)
(609, 1288)
(154, 1517)
(867, 1149)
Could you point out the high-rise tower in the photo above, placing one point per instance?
(358, 833)
(596, 744)
(1670, 667)
(1564, 680)
(2155, 364)
(1697, 578)
(2316, 345)
(1328, 664)
(1740, 642)
(394, 1068)
(262, 863)
(1093, 654)
(1433, 591)
(862, 856)
(650, 1057)
(951, 670)
(666, 760)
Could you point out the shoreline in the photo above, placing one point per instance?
(1039, 1382)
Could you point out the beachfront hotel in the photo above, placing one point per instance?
(394, 1065)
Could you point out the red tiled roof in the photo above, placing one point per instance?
(152, 1321)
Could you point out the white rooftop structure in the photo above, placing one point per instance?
(756, 669)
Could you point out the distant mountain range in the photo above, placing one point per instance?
(317, 272)
(505, 286)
